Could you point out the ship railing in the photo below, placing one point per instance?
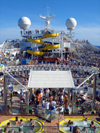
(35, 67)
(48, 67)
(52, 129)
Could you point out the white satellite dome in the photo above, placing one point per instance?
(24, 23)
(71, 23)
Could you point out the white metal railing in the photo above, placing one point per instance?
(85, 81)
(16, 80)
(49, 66)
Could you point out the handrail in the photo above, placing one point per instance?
(85, 80)
(47, 65)
(16, 80)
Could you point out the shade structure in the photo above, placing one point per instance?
(50, 79)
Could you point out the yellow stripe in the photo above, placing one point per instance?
(4, 123)
(61, 123)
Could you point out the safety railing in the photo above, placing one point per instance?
(50, 129)
(49, 67)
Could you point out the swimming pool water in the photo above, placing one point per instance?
(26, 128)
(80, 123)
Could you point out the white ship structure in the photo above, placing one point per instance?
(47, 41)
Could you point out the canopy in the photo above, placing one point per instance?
(50, 79)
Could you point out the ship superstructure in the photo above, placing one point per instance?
(46, 42)
(43, 42)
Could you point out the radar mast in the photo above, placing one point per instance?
(47, 19)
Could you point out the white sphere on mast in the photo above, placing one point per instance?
(24, 23)
(71, 24)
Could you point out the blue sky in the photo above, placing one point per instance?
(86, 13)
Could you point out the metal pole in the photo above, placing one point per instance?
(85, 81)
(73, 101)
(16, 80)
(58, 124)
(62, 46)
(94, 92)
(69, 95)
(31, 59)
(5, 94)
(27, 102)
(30, 93)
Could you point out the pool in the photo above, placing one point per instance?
(25, 127)
(80, 123)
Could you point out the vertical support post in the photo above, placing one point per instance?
(45, 121)
(5, 94)
(69, 94)
(94, 92)
(73, 101)
(62, 46)
(58, 125)
(31, 59)
(27, 102)
(30, 93)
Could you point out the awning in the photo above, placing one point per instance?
(50, 79)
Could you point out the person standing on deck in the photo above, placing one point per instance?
(21, 94)
(66, 101)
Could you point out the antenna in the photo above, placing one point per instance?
(47, 11)
(47, 19)
(41, 24)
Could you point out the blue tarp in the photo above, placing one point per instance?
(25, 61)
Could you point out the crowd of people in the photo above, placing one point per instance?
(50, 99)
(46, 98)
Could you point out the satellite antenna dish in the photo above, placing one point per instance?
(71, 24)
(24, 23)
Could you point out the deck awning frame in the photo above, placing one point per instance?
(50, 79)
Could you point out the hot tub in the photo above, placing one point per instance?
(25, 127)
(80, 123)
